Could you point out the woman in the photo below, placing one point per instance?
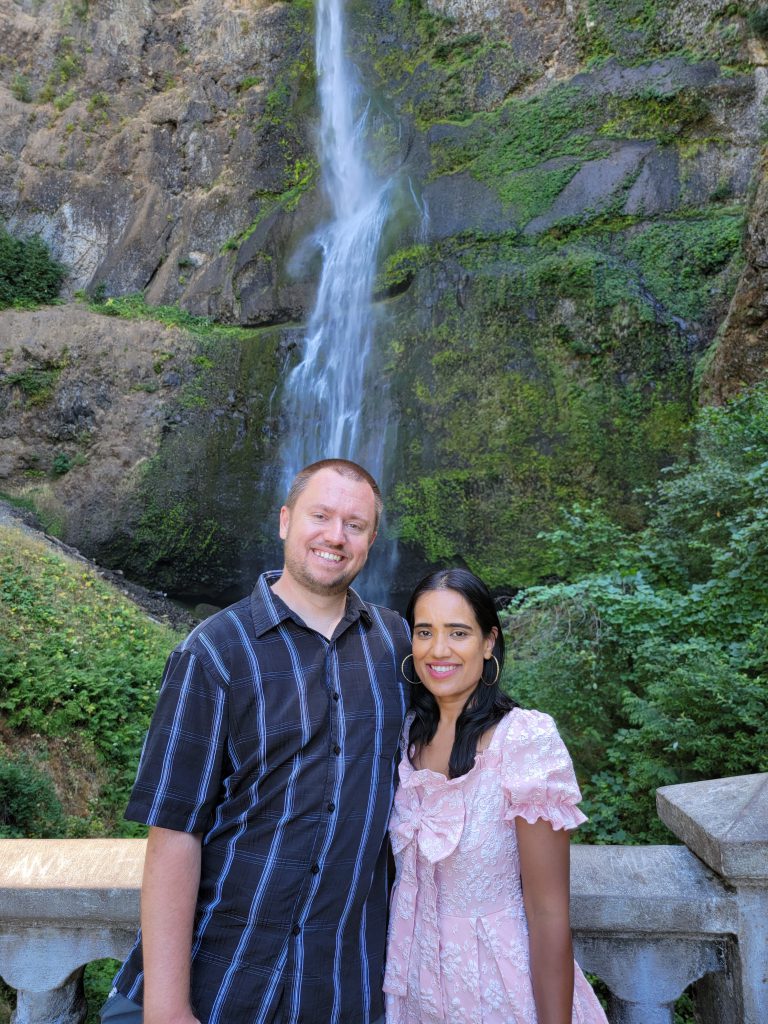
(479, 929)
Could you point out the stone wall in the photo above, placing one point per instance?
(649, 921)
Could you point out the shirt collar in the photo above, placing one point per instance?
(268, 610)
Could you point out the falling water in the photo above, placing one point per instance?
(333, 405)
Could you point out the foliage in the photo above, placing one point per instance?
(36, 383)
(28, 273)
(652, 652)
(21, 89)
(97, 983)
(135, 307)
(557, 381)
(29, 806)
(678, 259)
(299, 178)
(62, 463)
(76, 658)
(66, 66)
(519, 135)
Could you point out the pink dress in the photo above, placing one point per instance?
(458, 937)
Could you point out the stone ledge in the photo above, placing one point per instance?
(640, 889)
(71, 881)
(724, 822)
(75, 882)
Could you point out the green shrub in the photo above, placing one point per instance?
(28, 272)
(62, 464)
(652, 654)
(35, 383)
(77, 659)
(21, 88)
(29, 806)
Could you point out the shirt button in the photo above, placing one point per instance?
(331, 806)
(335, 695)
(336, 748)
(315, 869)
(295, 930)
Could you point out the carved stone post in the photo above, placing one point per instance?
(725, 823)
(648, 921)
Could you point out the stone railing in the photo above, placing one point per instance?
(648, 920)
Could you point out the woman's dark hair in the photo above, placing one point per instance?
(487, 704)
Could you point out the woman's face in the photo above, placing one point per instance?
(448, 645)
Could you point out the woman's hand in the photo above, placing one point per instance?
(545, 874)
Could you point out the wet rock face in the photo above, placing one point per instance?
(740, 357)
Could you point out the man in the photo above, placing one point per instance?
(267, 780)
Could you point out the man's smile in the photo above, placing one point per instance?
(327, 556)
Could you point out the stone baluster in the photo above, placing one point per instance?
(64, 903)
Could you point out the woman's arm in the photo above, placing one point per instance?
(545, 873)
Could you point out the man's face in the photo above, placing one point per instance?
(328, 532)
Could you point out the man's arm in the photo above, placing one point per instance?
(168, 897)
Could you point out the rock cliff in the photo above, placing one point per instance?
(567, 238)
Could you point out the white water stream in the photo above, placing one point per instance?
(332, 408)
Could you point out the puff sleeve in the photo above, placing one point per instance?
(537, 773)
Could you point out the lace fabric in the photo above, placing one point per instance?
(458, 938)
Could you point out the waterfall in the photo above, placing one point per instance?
(333, 405)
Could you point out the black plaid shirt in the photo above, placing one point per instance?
(279, 745)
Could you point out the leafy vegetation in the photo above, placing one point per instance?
(76, 660)
(651, 653)
(36, 383)
(66, 66)
(28, 273)
(29, 806)
(135, 307)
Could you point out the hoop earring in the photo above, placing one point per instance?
(413, 682)
(498, 673)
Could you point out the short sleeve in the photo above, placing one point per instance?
(537, 773)
(178, 780)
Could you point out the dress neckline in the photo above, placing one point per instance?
(416, 775)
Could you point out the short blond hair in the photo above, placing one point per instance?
(343, 467)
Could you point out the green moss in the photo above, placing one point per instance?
(623, 28)
(248, 82)
(519, 135)
(434, 71)
(565, 377)
(400, 267)
(35, 383)
(202, 505)
(135, 307)
(531, 193)
(689, 263)
(650, 116)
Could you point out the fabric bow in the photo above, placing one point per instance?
(436, 824)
